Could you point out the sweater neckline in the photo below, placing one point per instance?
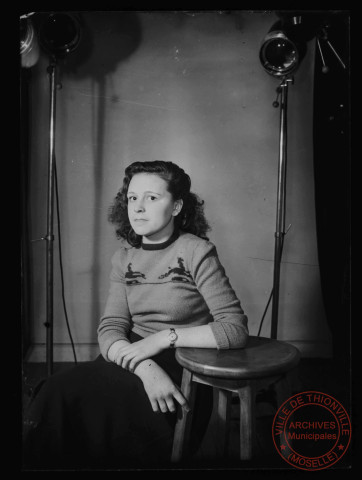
(161, 246)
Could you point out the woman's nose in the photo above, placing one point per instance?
(139, 207)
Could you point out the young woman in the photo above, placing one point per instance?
(167, 289)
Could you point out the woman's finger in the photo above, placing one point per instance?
(119, 359)
(162, 405)
(125, 361)
(170, 404)
(154, 406)
(133, 363)
(181, 400)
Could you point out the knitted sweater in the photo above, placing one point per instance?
(179, 283)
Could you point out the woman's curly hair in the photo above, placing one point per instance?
(191, 219)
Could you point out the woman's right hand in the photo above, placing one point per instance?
(161, 390)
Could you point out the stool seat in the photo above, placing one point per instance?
(262, 357)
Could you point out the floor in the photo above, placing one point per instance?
(311, 374)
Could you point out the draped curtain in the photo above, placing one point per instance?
(332, 166)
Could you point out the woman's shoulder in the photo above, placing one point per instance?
(123, 250)
(195, 242)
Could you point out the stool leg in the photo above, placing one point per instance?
(246, 422)
(223, 421)
(183, 423)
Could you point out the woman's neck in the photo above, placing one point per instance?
(161, 245)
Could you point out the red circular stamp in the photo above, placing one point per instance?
(311, 430)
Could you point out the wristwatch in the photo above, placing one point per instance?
(172, 337)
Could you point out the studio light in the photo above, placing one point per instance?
(29, 46)
(282, 51)
(59, 34)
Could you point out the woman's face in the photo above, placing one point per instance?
(151, 208)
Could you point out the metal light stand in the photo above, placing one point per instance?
(50, 209)
(280, 220)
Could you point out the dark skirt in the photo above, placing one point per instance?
(96, 415)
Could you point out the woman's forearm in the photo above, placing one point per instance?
(197, 337)
(147, 369)
(143, 370)
(131, 356)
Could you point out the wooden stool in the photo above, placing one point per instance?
(227, 371)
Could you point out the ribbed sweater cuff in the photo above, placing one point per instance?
(221, 338)
(106, 343)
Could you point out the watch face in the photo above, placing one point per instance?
(172, 336)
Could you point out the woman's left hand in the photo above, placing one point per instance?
(130, 355)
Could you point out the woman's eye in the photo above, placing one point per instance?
(151, 197)
(131, 199)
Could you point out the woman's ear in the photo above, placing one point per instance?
(177, 207)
